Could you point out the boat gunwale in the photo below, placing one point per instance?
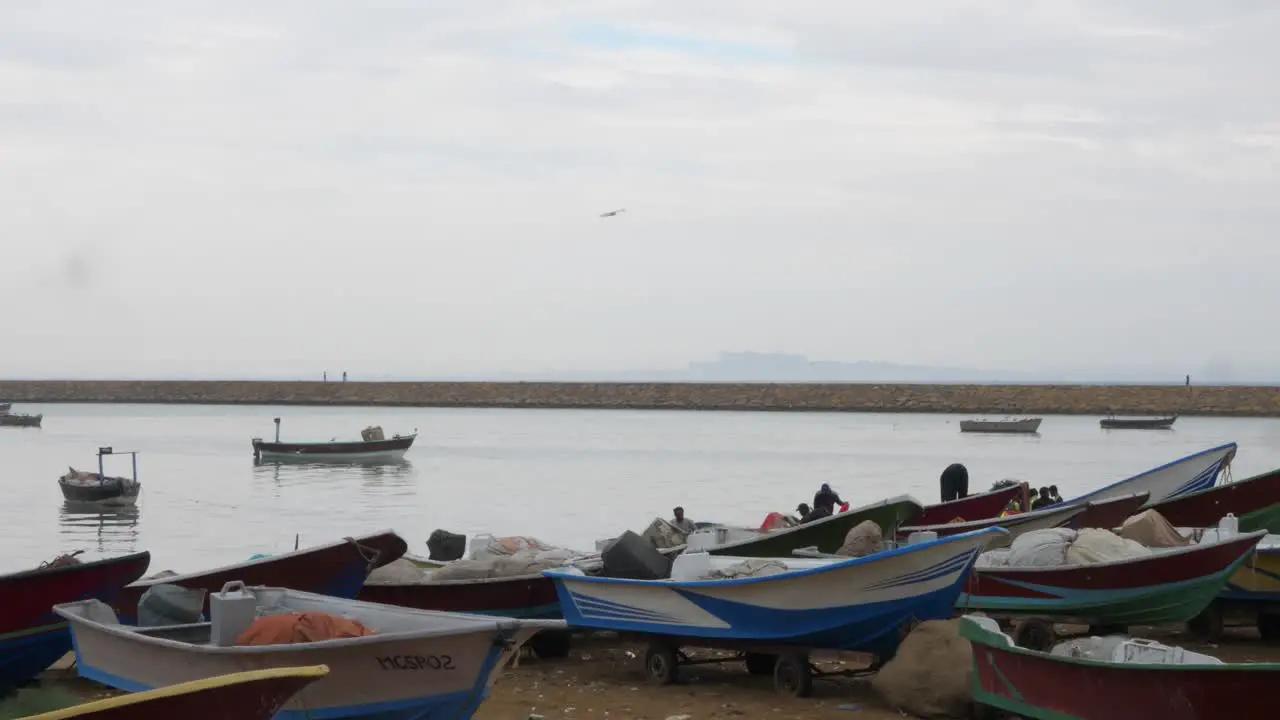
(259, 443)
(1227, 458)
(174, 579)
(89, 565)
(471, 623)
(783, 532)
(1070, 510)
(1256, 535)
(560, 575)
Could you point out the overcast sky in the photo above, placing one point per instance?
(265, 188)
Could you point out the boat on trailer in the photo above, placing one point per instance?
(31, 637)
(88, 488)
(1112, 677)
(1118, 423)
(1023, 426)
(372, 445)
(1171, 585)
(249, 695)
(776, 610)
(410, 664)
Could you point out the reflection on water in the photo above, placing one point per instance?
(285, 470)
(105, 530)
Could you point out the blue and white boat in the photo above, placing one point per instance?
(864, 604)
(418, 664)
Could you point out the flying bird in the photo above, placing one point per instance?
(611, 213)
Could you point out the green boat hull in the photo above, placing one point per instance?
(827, 534)
(1268, 518)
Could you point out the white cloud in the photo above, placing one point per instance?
(413, 187)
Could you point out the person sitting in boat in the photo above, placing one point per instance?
(825, 501)
(954, 482)
(806, 514)
(1053, 494)
(1013, 507)
(681, 523)
(1041, 500)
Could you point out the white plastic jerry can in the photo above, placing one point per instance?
(231, 611)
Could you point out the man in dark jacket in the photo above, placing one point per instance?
(954, 482)
(826, 500)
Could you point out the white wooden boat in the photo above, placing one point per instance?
(419, 664)
(1024, 426)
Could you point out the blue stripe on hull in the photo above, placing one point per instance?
(868, 627)
(23, 658)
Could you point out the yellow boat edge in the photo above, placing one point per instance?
(313, 671)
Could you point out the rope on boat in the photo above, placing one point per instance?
(62, 560)
(373, 553)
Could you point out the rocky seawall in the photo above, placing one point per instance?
(835, 397)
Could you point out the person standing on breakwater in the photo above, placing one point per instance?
(954, 482)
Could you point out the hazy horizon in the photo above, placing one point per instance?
(405, 189)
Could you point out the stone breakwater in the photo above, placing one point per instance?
(835, 397)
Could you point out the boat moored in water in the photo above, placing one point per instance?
(1023, 426)
(373, 445)
(88, 488)
(1159, 423)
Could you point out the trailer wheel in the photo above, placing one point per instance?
(661, 666)
(760, 663)
(551, 644)
(1034, 635)
(1268, 626)
(792, 675)
(1208, 624)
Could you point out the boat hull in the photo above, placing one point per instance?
(426, 667)
(11, 420)
(252, 695)
(1110, 513)
(1254, 501)
(1170, 587)
(826, 534)
(974, 507)
(1015, 524)
(1025, 427)
(337, 569)
(1164, 423)
(32, 637)
(1257, 578)
(530, 597)
(390, 449)
(1048, 687)
(865, 604)
(1190, 474)
(111, 493)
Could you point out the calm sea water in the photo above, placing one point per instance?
(568, 477)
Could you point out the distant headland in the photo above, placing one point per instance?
(1229, 400)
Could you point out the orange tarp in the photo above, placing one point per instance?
(300, 628)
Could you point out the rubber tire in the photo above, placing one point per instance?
(1269, 627)
(760, 663)
(792, 676)
(1035, 635)
(661, 666)
(1208, 624)
(551, 644)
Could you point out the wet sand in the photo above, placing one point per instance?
(604, 678)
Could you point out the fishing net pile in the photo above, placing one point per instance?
(303, 627)
(865, 538)
(1056, 547)
(930, 674)
(491, 557)
(751, 567)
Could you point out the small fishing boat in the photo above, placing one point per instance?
(338, 569)
(1195, 472)
(396, 663)
(8, 419)
(249, 695)
(1136, 679)
(1116, 423)
(1017, 524)
(1171, 585)
(826, 534)
(862, 604)
(372, 445)
(1024, 426)
(31, 637)
(99, 488)
(4, 407)
(973, 507)
(1255, 501)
